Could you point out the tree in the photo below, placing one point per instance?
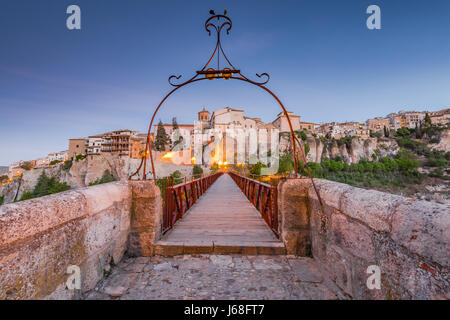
(161, 138)
(301, 135)
(418, 131)
(42, 186)
(178, 138)
(386, 132)
(107, 177)
(403, 132)
(427, 120)
(174, 124)
(45, 186)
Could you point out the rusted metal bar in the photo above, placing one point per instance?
(263, 196)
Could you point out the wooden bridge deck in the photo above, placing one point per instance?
(222, 221)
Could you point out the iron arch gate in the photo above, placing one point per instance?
(220, 22)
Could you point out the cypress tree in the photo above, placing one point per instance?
(161, 138)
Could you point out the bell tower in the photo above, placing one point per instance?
(204, 115)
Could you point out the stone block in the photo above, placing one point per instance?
(25, 219)
(101, 197)
(353, 237)
(423, 228)
(373, 208)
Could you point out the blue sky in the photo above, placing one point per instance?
(324, 64)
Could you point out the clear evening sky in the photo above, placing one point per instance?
(324, 64)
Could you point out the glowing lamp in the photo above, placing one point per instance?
(210, 76)
(226, 73)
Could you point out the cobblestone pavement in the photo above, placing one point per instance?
(214, 277)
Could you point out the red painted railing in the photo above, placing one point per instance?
(263, 196)
(179, 198)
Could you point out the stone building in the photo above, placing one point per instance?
(94, 144)
(57, 156)
(412, 118)
(441, 117)
(281, 122)
(396, 121)
(378, 124)
(137, 145)
(77, 146)
(309, 126)
(118, 141)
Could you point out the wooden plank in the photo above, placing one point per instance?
(222, 221)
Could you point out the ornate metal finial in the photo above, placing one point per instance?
(218, 22)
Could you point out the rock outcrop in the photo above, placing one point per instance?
(352, 152)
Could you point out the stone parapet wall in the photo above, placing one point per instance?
(355, 228)
(40, 238)
(146, 218)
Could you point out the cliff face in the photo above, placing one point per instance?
(74, 177)
(86, 171)
(444, 142)
(352, 152)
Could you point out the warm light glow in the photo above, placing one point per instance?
(168, 155)
(210, 76)
(227, 74)
(225, 163)
(220, 163)
(193, 160)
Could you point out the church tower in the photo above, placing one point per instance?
(203, 115)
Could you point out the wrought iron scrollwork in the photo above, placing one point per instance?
(218, 22)
(170, 80)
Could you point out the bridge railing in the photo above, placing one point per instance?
(263, 196)
(177, 199)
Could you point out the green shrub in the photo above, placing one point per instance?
(438, 159)
(383, 173)
(345, 140)
(45, 186)
(67, 164)
(377, 134)
(415, 146)
(214, 167)
(107, 177)
(197, 171)
(3, 178)
(54, 162)
(437, 173)
(286, 163)
(402, 132)
(255, 169)
(1, 200)
(301, 134)
(316, 169)
(177, 177)
(79, 157)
